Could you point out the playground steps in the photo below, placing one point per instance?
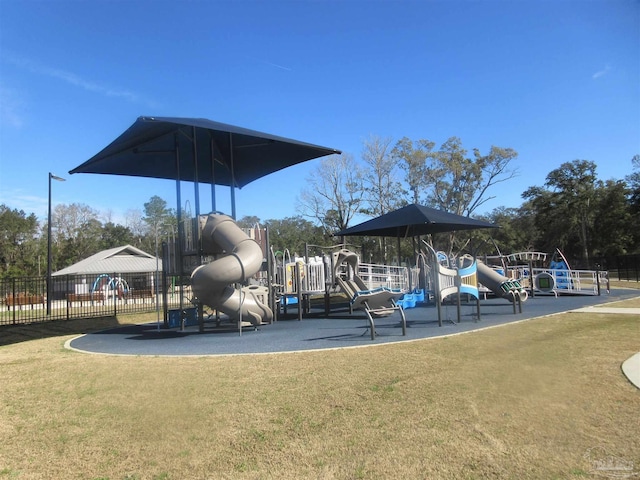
(411, 299)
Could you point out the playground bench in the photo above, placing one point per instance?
(85, 297)
(143, 294)
(22, 299)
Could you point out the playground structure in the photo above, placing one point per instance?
(556, 278)
(207, 263)
(231, 280)
(432, 279)
(243, 280)
(115, 287)
(109, 286)
(444, 277)
(104, 288)
(315, 275)
(221, 268)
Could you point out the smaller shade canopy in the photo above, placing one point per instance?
(414, 220)
(198, 150)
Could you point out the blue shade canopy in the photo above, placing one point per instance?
(198, 150)
(414, 220)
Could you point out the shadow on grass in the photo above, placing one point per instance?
(11, 334)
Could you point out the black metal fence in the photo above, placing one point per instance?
(621, 267)
(627, 267)
(24, 299)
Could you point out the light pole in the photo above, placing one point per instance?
(60, 179)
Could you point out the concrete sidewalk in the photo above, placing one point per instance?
(631, 369)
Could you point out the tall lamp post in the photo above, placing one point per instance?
(60, 179)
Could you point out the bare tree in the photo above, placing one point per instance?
(69, 221)
(383, 191)
(333, 194)
(76, 233)
(133, 220)
(107, 216)
(496, 169)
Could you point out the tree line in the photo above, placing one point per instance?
(574, 210)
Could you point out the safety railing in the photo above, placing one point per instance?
(391, 276)
(575, 282)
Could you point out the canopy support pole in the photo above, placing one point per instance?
(213, 176)
(196, 187)
(233, 179)
(179, 214)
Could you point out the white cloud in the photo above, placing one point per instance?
(75, 80)
(90, 86)
(601, 73)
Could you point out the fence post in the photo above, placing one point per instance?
(165, 287)
(115, 297)
(66, 297)
(13, 295)
(298, 281)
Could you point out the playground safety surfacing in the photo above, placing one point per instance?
(338, 330)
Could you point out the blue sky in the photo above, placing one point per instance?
(554, 80)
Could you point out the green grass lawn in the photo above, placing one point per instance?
(531, 400)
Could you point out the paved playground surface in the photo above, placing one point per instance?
(338, 330)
